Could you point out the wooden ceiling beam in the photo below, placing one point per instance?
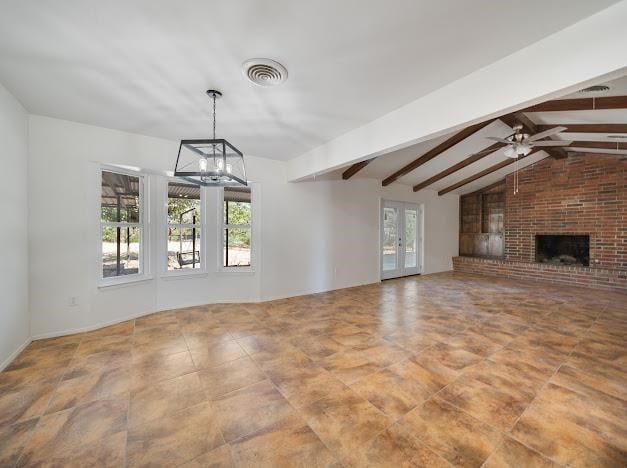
(484, 173)
(612, 145)
(442, 147)
(587, 128)
(355, 168)
(592, 103)
(460, 165)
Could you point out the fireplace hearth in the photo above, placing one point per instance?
(561, 249)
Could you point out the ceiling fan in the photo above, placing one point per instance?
(521, 144)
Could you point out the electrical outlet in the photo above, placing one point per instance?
(73, 301)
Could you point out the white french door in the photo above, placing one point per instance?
(401, 239)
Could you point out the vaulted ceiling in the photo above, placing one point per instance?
(143, 66)
(595, 122)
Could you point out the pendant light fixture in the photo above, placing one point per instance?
(211, 162)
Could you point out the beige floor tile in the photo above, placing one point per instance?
(397, 447)
(214, 354)
(217, 458)
(291, 443)
(250, 410)
(445, 361)
(349, 366)
(13, 438)
(345, 421)
(148, 370)
(513, 454)
(83, 388)
(454, 435)
(164, 398)
(399, 388)
(66, 433)
(575, 429)
(493, 393)
(174, 439)
(230, 376)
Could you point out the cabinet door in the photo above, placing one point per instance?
(495, 245)
(481, 245)
(466, 243)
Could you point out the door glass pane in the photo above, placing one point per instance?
(390, 239)
(410, 238)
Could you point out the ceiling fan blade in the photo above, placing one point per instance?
(500, 140)
(547, 133)
(551, 143)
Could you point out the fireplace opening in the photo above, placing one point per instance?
(563, 249)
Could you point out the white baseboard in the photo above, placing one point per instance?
(308, 292)
(14, 354)
(73, 331)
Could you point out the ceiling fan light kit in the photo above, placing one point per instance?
(211, 162)
(520, 144)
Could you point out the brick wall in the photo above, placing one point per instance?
(582, 194)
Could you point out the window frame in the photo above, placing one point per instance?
(143, 225)
(235, 269)
(203, 233)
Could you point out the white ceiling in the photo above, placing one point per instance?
(143, 66)
(385, 165)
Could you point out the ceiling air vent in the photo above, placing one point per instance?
(597, 89)
(264, 72)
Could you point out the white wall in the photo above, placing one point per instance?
(14, 317)
(312, 236)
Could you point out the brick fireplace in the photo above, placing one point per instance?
(578, 204)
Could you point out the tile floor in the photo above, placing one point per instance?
(441, 370)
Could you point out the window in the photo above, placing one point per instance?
(184, 227)
(237, 227)
(121, 224)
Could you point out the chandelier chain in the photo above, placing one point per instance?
(214, 116)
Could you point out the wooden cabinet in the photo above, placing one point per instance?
(496, 246)
(466, 243)
(481, 221)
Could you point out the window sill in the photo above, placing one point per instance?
(237, 270)
(123, 282)
(179, 275)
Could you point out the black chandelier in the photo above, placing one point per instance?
(211, 162)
